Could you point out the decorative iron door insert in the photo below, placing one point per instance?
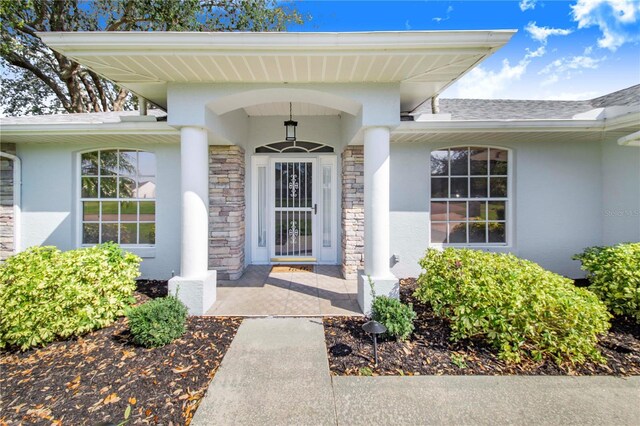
(295, 209)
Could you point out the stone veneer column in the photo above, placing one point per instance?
(352, 210)
(226, 211)
(7, 219)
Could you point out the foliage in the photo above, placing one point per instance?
(395, 315)
(47, 294)
(517, 306)
(57, 81)
(459, 360)
(614, 276)
(157, 322)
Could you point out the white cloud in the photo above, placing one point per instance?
(553, 78)
(540, 51)
(483, 84)
(407, 26)
(572, 64)
(542, 33)
(527, 4)
(446, 18)
(615, 18)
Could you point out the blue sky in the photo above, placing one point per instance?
(577, 49)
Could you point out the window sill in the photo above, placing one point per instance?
(143, 252)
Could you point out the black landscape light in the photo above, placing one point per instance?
(374, 328)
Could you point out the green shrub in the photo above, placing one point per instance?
(47, 294)
(157, 322)
(614, 276)
(517, 306)
(395, 315)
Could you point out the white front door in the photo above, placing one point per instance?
(294, 209)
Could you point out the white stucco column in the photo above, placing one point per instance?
(196, 285)
(194, 166)
(376, 218)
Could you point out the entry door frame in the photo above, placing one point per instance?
(325, 249)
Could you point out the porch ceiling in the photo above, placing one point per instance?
(423, 62)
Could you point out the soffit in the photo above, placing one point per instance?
(423, 62)
(282, 109)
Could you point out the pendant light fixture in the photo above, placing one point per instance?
(290, 127)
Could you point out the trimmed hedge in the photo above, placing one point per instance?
(517, 306)
(46, 294)
(614, 276)
(157, 322)
(395, 315)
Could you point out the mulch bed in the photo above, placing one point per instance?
(429, 350)
(101, 376)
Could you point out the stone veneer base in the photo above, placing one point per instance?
(352, 211)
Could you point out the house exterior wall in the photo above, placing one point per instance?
(226, 211)
(620, 192)
(7, 212)
(556, 202)
(352, 215)
(50, 213)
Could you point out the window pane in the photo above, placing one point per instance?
(478, 158)
(147, 233)
(128, 161)
(496, 232)
(440, 163)
(496, 210)
(108, 162)
(459, 187)
(91, 211)
(498, 160)
(109, 232)
(90, 187)
(147, 211)
(262, 206)
(498, 187)
(457, 232)
(108, 186)
(90, 233)
(127, 187)
(89, 163)
(128, 233)
(110, 211)
(479, 187)
(439, 210)
(326, 206)
(146, 163)
(457, 210)
(459, 161)
(477, 210)
(439, 233)
(128, 211)
(439, 187)
(477, 232)
(146, 187)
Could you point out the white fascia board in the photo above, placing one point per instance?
(469, 126)
(145, 128)
(625, 119)
(144, 42)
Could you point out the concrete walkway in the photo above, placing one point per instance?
(276, 373)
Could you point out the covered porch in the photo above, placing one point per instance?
(281, 291)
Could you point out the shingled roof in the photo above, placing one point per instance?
(513, 109)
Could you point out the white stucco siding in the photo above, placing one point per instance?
(556, 202)
(620, 209)
(49, 188)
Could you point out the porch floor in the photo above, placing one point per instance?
(260, 292)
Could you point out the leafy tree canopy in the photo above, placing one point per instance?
(37, 80)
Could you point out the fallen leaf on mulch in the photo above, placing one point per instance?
(103, 377)
(429, 349)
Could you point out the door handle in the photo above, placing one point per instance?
(315, 209)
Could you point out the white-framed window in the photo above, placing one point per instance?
(470, 196)
(118, 197)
